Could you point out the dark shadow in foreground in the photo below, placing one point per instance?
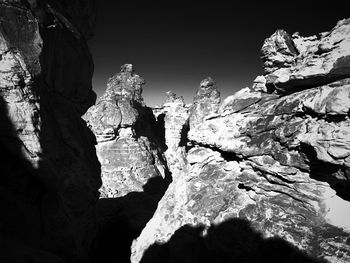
(231, 241)
(122, 219)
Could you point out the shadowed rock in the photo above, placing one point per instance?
(50, 174)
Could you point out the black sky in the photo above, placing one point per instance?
(175, 44)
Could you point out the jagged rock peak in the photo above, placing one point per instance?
(278, 51)
(119, 107)
(207, 92)
(126, 136)
(207, 87)
(171, 97)
(128, 68)
(206, 101)
(125, 85)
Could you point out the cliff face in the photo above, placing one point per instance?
(265, 176)
(49, 168)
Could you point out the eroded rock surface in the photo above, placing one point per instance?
(135, 176)
(128, 148)
(49, 168)
(270, 168)
(296, 62)
(206, 101)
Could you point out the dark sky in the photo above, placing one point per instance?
(175, 44)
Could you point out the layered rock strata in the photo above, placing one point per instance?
(49, 168)
(270, 165)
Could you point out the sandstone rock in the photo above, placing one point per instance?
(127, 146)
(205, 102)
(50, 170)
(302, 62)
(277, 163)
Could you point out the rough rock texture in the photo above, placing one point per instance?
(175, 114)
(134, 173)
(266, 178)
(49, 168)
(206, 101)
(127, 141)
(295, 62)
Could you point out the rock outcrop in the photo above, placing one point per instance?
(206, 101)
(128, 146)
(294, 62)
(49, 168)
(265, 176)
(134, 172)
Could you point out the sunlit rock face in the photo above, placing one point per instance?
(128, 146)
(294, 62)
(49, 168)
(269, 168)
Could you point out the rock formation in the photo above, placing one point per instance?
(206, 101)
(49, 168)
(295, 62)
(262, 177)
(265, 176)
(134, 173)
(127, 141)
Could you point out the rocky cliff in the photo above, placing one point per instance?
(264, 177)
(50, 174)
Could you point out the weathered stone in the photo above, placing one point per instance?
(205, 102)
(175, 114)
(129, 159)
(50, 171)
(278, 51)
(279, 162)
(302, 62)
